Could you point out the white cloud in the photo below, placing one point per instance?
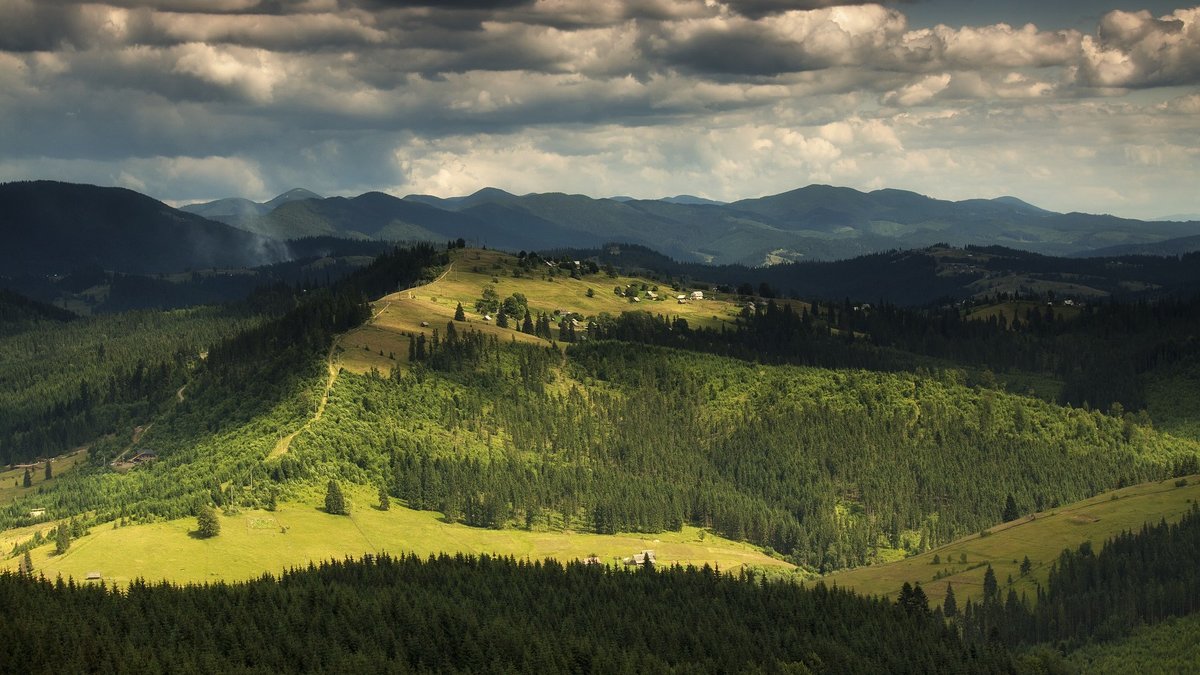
(646, 97)
(1134, 49)
(252, 72)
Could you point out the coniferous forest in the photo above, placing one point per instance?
(829, 435)
(474, 615)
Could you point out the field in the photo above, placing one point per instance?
(1041, 536)
(11, 479)
(401, 313)
(1019, 309)
(254, 542)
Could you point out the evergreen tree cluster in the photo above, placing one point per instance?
(65, 384)
(826, 467)
(473, 614)
(1100, 356)
(1137, 578)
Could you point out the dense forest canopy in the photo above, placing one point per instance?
(830, 434)
(475, 614)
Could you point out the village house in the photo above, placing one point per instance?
(37, 513)
(640, 558)
(697, 295)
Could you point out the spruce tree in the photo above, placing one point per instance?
(25, 567)
(62, 539)
(527, 325)
(1010, 509)
(459, 315)
(1026, 565)
(49, 471)
(385, 503)
(207, 524)
(502, 319)
(920, 602)
(991, 590)
(950, 606)
(28, 480)
(335, 503)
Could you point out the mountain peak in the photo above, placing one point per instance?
(295, 194)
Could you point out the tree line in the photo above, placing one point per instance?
(473, 614)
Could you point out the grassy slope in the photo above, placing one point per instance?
(1018, 309)
(253, 542)
(403, 312)
(11, 479)
(1042, 537)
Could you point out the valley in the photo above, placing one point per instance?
(797, 441)
(366, 336)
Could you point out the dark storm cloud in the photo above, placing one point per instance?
(756, 9)
(28, 26)
(193, 98)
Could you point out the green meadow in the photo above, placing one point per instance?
(254, 542)
(1041, 537)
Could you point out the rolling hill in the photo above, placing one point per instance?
(818, 222)
(237, 211)
(54, 228)
(1039, 536)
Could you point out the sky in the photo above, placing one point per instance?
(1073, 106)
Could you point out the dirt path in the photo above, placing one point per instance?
(285, 443)
(179, 394)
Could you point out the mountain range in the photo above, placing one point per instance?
(818, 222)
(54, 228)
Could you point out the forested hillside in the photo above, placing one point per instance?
(475, 614)
(52, 228)
(826, 467)
(66, 384)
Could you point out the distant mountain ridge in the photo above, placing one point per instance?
(237, 211)
(52, 227)
(817, 222)
(49, 227)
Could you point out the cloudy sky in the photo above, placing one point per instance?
(1090, 106)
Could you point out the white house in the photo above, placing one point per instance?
(697, 295)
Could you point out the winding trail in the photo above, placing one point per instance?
(285, 442)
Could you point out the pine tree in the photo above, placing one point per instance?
(25, 567)
(385, 503)
(991, 590)
(527, 325)
(62, 539)
(49, 471)
(459, 315)
(502, 319)
(920, 602)
(335, 503)
(28, 480)
(1026, 565)
(950, 606)
(207, 524)
(1010, 509)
